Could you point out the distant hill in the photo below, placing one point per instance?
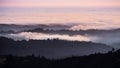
(52, 28)
(77, 32)
(16, 27)
(50, 48)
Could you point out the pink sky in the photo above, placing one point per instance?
(59, 3)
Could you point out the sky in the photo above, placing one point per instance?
(88, 19)
(59, 3)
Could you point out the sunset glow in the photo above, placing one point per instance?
(59, 3)
(87, 13)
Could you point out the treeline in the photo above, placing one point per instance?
(75, 32)
(9, 41)
(108, 60)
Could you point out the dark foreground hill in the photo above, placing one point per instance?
(108, 60)
(50, 48)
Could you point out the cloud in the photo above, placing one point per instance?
(100, 24)
(41, 36)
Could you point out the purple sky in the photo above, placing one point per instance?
(59, 3)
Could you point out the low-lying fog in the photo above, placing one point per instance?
(109, 39)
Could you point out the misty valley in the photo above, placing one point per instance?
(41, 44)
(110, 37)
